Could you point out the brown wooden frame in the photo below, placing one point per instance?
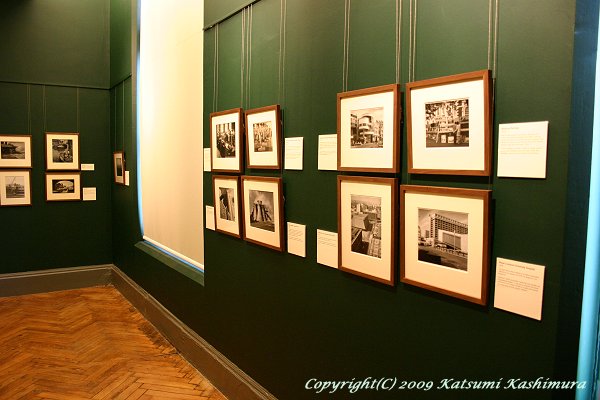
(15, 167)
(122, 154)
(483, 195)
(278, 181)
(483, 75)
(397, 107)
(240, 119)
(237, 206)
(76, 151)
(77, 174)
(28, 189)
(393, 184)
(277, 134)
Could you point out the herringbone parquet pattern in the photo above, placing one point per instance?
(89, 344)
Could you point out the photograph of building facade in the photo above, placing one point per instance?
(447, 123)
(443, 238)
(366, 128)
(366, 225)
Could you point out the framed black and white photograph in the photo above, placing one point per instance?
(227, 204)
(15, 188)
(63, 186)
(368, 127)
(119, 167)
(263, 137)
(449, 124)
(226, 136)
(62, 151)
(445, 240)
(367, 226)
(15, 151)
(263, 211)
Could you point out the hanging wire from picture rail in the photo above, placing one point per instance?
(123, 118)
(249, 55)
(492, 57)
(281, 80)
(398, 41)
(29, 108)
(77, 107)
(115, 118)
(345, 66)
(215, 69)
(242, 57)
(44, 107)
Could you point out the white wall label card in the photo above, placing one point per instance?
(327, 152)
(523, 150)
(210, 218)
(296, 239)
(294, 147)
(88, 167)
(207, 159)
(126, 178)
(519, 287)
(327, 248)
(89, 194)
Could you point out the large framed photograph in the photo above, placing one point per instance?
(263, 211)
(227, 205)
(445, 240)
(15, 151)
(368, 128)
(15, 188)
(62, 151)
(367, 226)
(263, 137)
(450, 124)
(63, 186)
(119, 167)
(226, 135)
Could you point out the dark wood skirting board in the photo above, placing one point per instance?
(225, 375)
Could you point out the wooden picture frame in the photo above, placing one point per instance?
(226, 194)
(63, 186)
(15, 188)
(368, 129)
(367, 225)
(62, 151)
(119, 167)
(263, 211)
(445, 240)
(226, 140)
(449, 129)
(15, 151)
(263, 137)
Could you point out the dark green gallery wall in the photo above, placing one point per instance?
(54, 78)
(285, 319)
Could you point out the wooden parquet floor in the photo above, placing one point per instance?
(89, 344)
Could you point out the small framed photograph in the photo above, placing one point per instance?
(63, 186)
(445, 240)
(15, 188)
(450, 124)
(15, 151)
(368, 127)
(263, 137)
(263, 211)
(62, 151)
(119, 167)
(226, 135)
(227, 205)
(367, 226)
